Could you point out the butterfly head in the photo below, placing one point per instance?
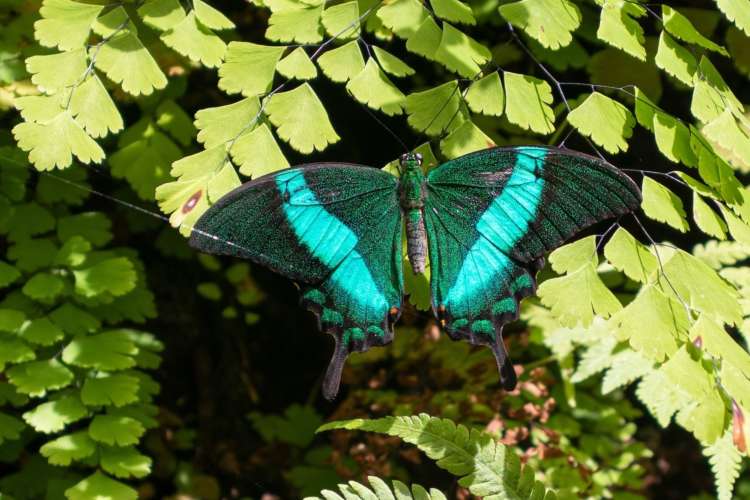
(411, 161)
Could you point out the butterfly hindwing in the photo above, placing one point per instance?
(490, 217)
(336, 229)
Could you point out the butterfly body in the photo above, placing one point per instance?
(485, 220)
(412, 192)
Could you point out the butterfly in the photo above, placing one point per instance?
(485, 219)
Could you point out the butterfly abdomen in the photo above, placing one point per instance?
(416, 240)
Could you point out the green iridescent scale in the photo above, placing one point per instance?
(487, 218)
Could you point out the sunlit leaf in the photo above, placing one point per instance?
(35, 378)
(605, 120)
(680, 27)
(94, 109)
(372, 87)
(460, 53)
(104, 486)
(432, 110)
(41, 331)
(630, 256)
(117, 390)
(111, 350)
(618, 27)
(675, 59)
(195, 41)
(114, 276)
(65, 24)
(257, 153)
(57, 71)
(210, 17)
(218, 126)
(426, 40)
(551, 22)
(391, 64)
(342, 20)
(126, 61)
(299, 24)
(660, 203)
(301, 120)
(486, 95)
(115, 430)
(124, 462)
(297, 65)
(342, 63)
(464, 139)
(707, 220)
(161, 14)
(454, 11)
(403, 17)
(249, 68)
(528, 102)
(54, 416)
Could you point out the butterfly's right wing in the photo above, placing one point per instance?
(490, 218)
(336, 229)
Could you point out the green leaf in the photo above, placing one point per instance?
(249, 68)
(65, 24)
(94, 109)
(528, 102)
(700, 286)
(724, 131)
(390, 63)
(707, 220)
(115, 430)
(626, 367)
(174, 120)
(487, 468)
(50, 190)
(65, 449)
(14, 351)
(195, 41)
(297, 65)
(606, 121)
(550, 22)
(726, 462)
(486, 95)
(373, 88)
(666, 319)
(301, 120)
(704, 416)
(128, 63)
(614, 67)
(432, 110)
(403, 17)
(10, 428)
(297, 24)
(117, 390)
(628, 255)
(94, 227)
(73, 253)
(202, 178)
(675, 59)
(737, 11)
(380, 491)
(342, 20)
(680, 27)
(8, 274)
(210, 17)
(342, 63)
(220, 125)
(673, 138)
(618, 28)
(73, 320)
(55, 142)
(426, 40)
(11, 320)
(465, 138)
(257, 153)
(114, 276)
(55, 415)
(460, 53)
(111, 350)
(161, 14)
(454, 11)
(660, 396)
(35, 378)
(660, 203)
(105, 488)
(44, 287)
(57, 71)
(26, 220)
(578, 296)
(41, 331)
(297, 425)
(124, 462)
(711, 95)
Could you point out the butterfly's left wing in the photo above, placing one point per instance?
(491, 216)
(333, 228)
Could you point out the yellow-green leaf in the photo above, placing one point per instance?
(550, 22)
(660, 203)
(606, 121)
(372, 87)
(528, 102)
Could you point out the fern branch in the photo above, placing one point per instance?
(486, 467)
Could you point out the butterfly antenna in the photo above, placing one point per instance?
(381, 123)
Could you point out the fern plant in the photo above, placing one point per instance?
(74, 381)
(484, 466)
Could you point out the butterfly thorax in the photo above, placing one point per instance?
(412, 194)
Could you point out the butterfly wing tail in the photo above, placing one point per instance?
(504, 365)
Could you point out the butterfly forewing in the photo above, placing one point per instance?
(336, 228)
